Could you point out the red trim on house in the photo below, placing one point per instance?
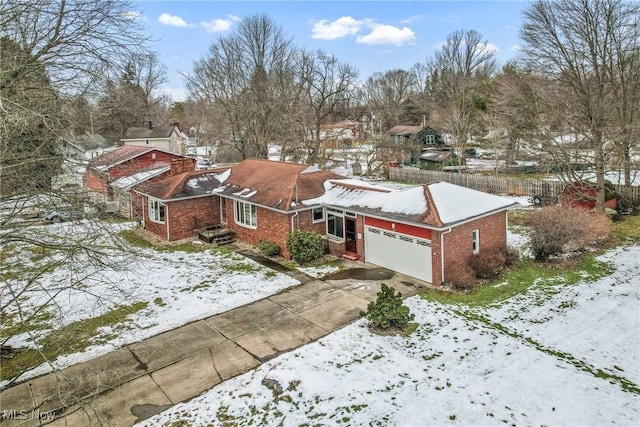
(410, 230)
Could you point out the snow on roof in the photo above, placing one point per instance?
(354, 193)
(126, 182)
(455, 203)
(222, 177)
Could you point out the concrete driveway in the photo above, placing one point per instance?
(135, 382)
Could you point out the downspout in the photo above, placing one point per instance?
(442, 255)
(295, 215)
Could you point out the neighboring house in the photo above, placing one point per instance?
(167, 138)
(418, 138)
(341, 134)
(421, 231)
(85, 147)
(125, 161)
(437, 160)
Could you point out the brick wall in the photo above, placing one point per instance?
(459, 242)
(183, 216)
(272, 226)
(187, 215)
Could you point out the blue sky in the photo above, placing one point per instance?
(370, 35)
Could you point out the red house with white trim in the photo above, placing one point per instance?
(420, 231)
(113, 175)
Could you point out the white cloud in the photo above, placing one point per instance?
(488, 47)
(220, 25)
(378, 34)
(174, 21)
(388, 34)
(516, 48)
(341, 27)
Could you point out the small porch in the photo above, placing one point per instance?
(216, 234)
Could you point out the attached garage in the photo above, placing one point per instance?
(399, 252)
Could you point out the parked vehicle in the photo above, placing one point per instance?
(61, 214)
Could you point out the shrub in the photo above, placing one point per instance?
(269, 248)
(488, 263)
(388, 310)
(305, 246)
(559, 229)
(461, 276)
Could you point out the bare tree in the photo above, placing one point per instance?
(50, 53)
(459, 73)
(326, 86)
(515, 107)
(390, 96)
(134, 97)
(248, 74)
(585, 46)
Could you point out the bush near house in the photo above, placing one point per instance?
(488, 264)
(388, 310)
(305, 246)
(269, 248)
(557, 230)
(461, 276)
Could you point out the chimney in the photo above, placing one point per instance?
(150, 124)
(182, 165)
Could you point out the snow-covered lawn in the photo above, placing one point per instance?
(556, 355)
(177, 287)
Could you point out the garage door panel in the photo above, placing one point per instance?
(406, 254)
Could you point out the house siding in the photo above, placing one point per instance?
(99, 181)
(272, 226)
(459, 244)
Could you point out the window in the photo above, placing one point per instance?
(156, 210)
(475, 237)
(318, 214)
(223, 210)
(335, 225)
(246, 214)
(146, 141)
(430, 139)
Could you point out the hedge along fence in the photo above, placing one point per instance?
(499, 184)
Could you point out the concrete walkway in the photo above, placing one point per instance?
(133, 383)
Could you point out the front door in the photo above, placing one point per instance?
(350, 235)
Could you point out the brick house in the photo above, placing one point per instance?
(113, 176)
(421, 231)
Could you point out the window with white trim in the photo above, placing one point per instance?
(156, 211)
(318, 214)
(245, 214)
(475, 237)
(335, 224)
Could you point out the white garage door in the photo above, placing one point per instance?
(405, 254)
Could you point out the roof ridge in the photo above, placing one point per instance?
(433, 216)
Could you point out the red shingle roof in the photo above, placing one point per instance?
(118, 155)
(275, 184)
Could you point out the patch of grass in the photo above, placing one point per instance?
(627, 230)
(159, 302)
(10, 327)
(68, 339)
(525, 274)
(134, 239)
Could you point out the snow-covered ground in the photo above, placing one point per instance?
(179, 287)
(559, 355)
